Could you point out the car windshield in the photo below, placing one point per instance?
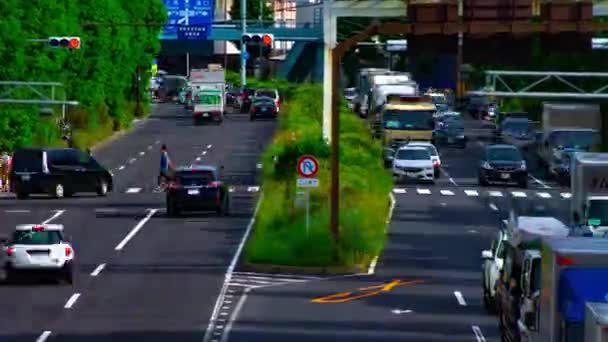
(194, 178)
(505, 154)
(598, 213)
(408, 119)
(574, 139)
(413, 154)
(349, 92)
(439, 99)
(266, 93)
(429, 148)
(28, 237)
(209, 99)
(517, 127)
(264, 102)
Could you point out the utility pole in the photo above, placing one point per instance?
(243, 45)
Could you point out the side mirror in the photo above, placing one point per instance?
(486, 255)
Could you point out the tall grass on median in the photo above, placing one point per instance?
(280, 236)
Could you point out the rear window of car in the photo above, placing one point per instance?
(195, 178)
(27, 160)
(267, 102)
(28, 237)
(266, 93)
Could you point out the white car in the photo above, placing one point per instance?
(493, 261)
(39, 248)
(434, 155)
(413, 162)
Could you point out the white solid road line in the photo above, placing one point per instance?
(493, 207)
(446, 174)
(98, 270)
(135, 229)
(541, 183)
(235, 314)
(133, 190)
(121, 167)
(460, 298)
(56, 215)
(453, 181)
(478, 335)
(72, 301)
(237, 255)
(471, 193)
(45, 334)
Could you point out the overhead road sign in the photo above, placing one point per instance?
(308, 166)
(188, 13)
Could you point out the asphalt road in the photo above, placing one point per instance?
(426, 286)
(141, 276)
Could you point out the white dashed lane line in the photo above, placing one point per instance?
(135, 230)
(150, 147)
(209, 146)
(203, 153)
(142, 153)
(493, 207)
(121, 167)
(132, 160)
(98, 270)
(133, 190)
(478, 334)
(70, 303)
(45, 334)
(460, 298)
(198, 158)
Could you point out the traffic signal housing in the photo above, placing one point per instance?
(64, 42)
(258, 38)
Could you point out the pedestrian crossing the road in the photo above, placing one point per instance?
(481, 193)
(258, 280)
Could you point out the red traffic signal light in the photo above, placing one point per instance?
(267, 39)
(257, 38)
(64, 42)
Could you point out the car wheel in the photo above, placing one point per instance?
(102, 187)
(68, 275)
(58, 191)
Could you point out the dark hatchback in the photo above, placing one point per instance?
(58, 172)
(263, 107)
(502, 164)
(197, 188)
(450, 133)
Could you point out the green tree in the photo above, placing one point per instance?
(254, 8)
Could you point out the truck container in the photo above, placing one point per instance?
(589, 185)
(381, 92)
(208, 88)
(384, 78)
(596, 322)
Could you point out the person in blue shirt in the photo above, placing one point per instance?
(165, 166)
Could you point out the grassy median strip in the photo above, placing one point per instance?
(280, 236)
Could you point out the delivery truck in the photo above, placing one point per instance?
(208, 87)
(589, 186)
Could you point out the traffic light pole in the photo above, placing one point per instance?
(243, 44)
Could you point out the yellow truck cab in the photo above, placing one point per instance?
(405, 118)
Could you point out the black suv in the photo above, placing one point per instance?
(197, 188)
(502, 164)
(58, 172)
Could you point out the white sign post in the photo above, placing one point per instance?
(308, 167)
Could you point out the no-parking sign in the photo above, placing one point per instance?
(308, 166)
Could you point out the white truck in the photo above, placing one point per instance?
(376, 80)
(547, 291)
(567, 128)
(208, 93)
(363, 86)
(381, 92)
(596, 322)
(589, 186)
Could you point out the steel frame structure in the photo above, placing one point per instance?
(43, 99)
(499, 87)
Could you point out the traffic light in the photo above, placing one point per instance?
(258, 38)
(64, 42)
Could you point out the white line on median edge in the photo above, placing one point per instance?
(228, 277)
(460, 298)
(45, 334)
(478, 335)
(493, 207)
(541, 183)
(136, 229)
(98, 270)
(56, 215)
(235, 314)
(72, 301)
(372, 265)
(209, 146)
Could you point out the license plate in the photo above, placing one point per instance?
(206, 114)
(410, 174)
(193, 192)
(505, 176)
(25, 177)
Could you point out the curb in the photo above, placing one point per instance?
(312, 270)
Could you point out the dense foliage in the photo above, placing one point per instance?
(102, 75)
(280, 235)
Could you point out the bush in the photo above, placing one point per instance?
(280, 235)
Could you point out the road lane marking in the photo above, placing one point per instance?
(209, 146)
(253, 189)
(518, 194)
(98, 270)
(541, 183)
(204, 152)
(45, 334)
(372, 265)
(399, 312)
(495, 193)
(493, 207)
(150, 147)
(135, 230)
(423, 191)
(449, 177)
(72, 301)
(453, 181)
(142, 153)
(56, 215)
(231, 189)
(133, 190)
(258, 165)
(399, 191)
(198, 158)
(544, 195)
(471, 193)
(447, 193)
(363, 292)
(215, 315)
(121, 167)
(132, 160)
(460, 298)
(478, 335)
(157, 142)
(566, 195)
(17, 211)
(234, 316)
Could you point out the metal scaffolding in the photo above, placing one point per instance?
(496, 85)
(34, 87)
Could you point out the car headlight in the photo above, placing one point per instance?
(486, 166)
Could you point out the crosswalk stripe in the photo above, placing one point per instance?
(133, 190)
(423, 191)
(399, 191)
(495, 193)
(566, 195)
(544, 194)
(518, 194)
(471, 193)
(446, 193)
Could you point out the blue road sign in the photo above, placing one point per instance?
(173, 15)
(245, 55)
(196, 13)
(193, 32)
